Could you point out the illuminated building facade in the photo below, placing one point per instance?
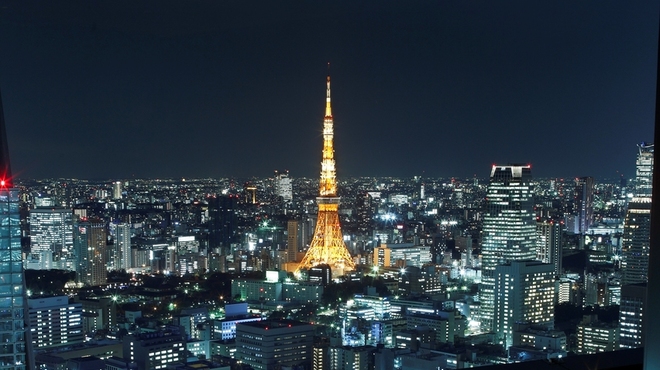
(350, 358)
(156, 350)
(594, 336)
(644, 170)
(509, 229)
(636, 241)
(525, 292)
(14, 350)
(283, 186)
(117, 190)
(55, 322)
(270, 345)
(584, 203)
(90, 244)
(631, 329)
(123, 246)
(548, 239)
(327, 246)
(51, 239)
(408, 254)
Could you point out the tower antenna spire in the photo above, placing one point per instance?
(327, 246)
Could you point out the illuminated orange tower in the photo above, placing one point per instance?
(327, 245)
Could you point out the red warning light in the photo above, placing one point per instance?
(2, 183)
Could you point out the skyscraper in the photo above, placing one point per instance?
(631, 326)
(123, 246)
(525, 292)
(584, 203)
(116, 190)
(644, 170)
(14, 348)
(283, 186)
(548, 239)
(51, 239)
(509, 229)
(636, 239)
(327, 245)
(91, 250)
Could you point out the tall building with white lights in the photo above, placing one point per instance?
(283, 186)
(636, 241)
(525, 292)
(644, 170)
(509, 229)
(548, 239)
(54, 322)
(51, 239)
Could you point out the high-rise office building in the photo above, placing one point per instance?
(549, 240)
(293, 240)
(122, 255)
(15, 349)
(584, 203)
(283, 186)
(644, 170)
(156, 350)
(14, 352)
(525, 292)
(90, 243)
(223, 222)
(51, 239)
(350, 358)
(594, 336)
(509, 229)
(117, 190)
(269, 345)
(631, 329)
(54, 322)
(636, 241)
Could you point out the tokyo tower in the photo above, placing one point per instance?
(327, 245)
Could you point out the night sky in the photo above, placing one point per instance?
(171, 89)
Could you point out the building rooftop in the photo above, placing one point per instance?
(268, 324)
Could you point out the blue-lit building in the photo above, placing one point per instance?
(14, 347)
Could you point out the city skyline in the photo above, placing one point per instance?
(140, 90)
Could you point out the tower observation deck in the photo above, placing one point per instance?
(327, 246)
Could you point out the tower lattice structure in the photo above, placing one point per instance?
(327, 246)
